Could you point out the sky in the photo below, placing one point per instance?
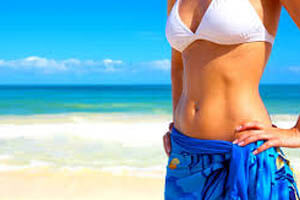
(107, 42)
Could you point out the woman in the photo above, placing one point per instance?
(222, 144)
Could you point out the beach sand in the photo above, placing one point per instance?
(77, 185)
(43, 184)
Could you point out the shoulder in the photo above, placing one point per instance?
(170, 4)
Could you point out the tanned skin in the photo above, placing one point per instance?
(215, 87)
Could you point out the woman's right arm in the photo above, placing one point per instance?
(176, 80)
(176, 69)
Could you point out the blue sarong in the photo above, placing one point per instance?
(216, 169)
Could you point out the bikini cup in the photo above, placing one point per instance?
(224, 22)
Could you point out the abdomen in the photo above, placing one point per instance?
(220, 90)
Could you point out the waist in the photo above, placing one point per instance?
(216, 117)
(182, 143)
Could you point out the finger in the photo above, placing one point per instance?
(165, 146)
(266, 145)
(171, 125)
(169, 143)
(240, 136)
(250, 125)
(254, 138)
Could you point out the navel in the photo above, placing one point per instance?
(196, 106)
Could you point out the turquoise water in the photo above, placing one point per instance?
(146, 99)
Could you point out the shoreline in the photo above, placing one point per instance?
(83, 117)
(109, 117)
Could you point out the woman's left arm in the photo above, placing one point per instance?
(275, 137)
(249, 132)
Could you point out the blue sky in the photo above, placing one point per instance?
(107, 42)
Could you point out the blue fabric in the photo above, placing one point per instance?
(217, 169)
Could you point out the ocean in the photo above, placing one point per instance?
(107, 127)
(130, 99)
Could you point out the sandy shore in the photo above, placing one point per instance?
(90, 140)
(74, 185)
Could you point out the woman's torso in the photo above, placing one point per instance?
(220, 82)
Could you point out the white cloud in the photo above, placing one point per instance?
(109, 62)
(72, 61)
(163, 64)
(73, 65)
(52, 65)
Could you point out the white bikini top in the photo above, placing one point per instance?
(224, 22)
